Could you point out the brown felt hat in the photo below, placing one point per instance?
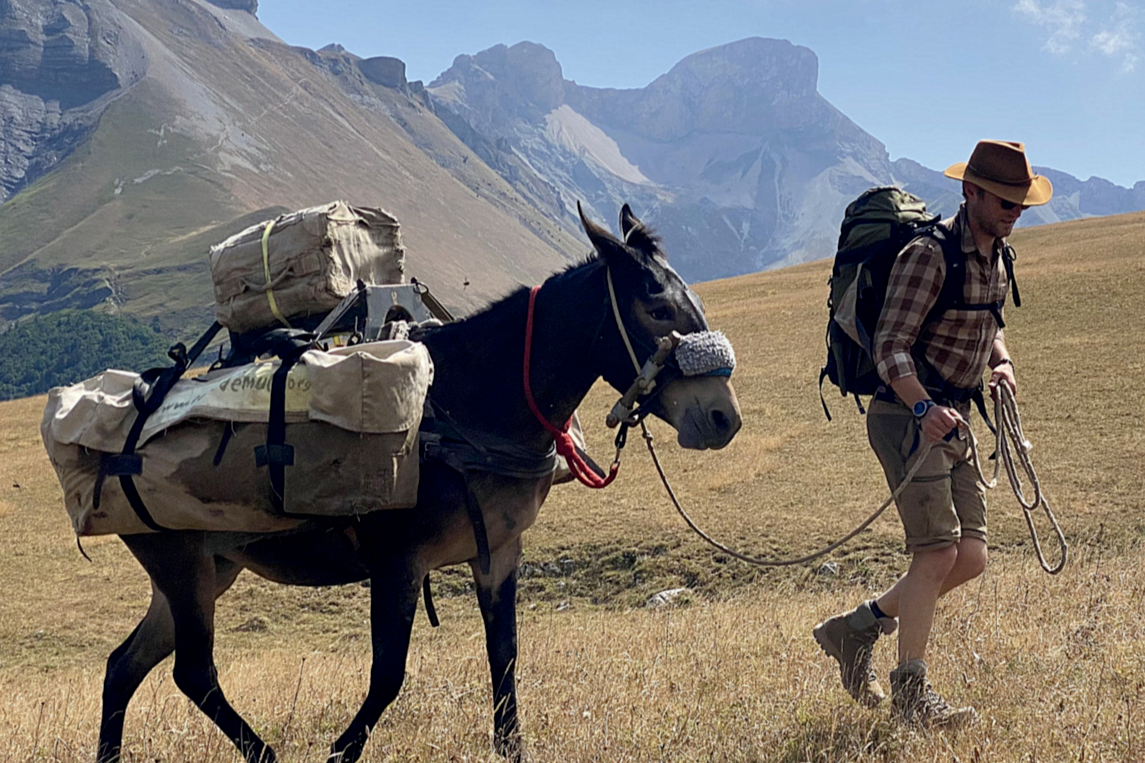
(1001, 167)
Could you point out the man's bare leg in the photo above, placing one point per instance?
(962, 562)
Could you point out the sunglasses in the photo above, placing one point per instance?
(1008, 205)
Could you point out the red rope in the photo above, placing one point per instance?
(565, 445)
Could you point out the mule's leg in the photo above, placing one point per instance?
(185, 573)
(394, 594)
(497, 594)
(151, 641)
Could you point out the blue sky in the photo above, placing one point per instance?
(926, 78)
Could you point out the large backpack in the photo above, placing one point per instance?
(876, 227)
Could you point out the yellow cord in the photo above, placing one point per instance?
(266, 272)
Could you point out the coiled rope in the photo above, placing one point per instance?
(1012, 449)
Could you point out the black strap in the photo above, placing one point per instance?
(953, 294)
(276, 454)
(430, 610)
(431, 450)
(1008, 257)
(147, 395)
(228, 431)
(589, 462)
(479, 533)
(980, 401)
(477, 451)
(822, 402)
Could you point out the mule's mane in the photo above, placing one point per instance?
(490, 312)
(641, 238)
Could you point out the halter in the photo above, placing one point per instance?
(701, 353)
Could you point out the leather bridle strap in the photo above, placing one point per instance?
(620, 322)
(564, 442)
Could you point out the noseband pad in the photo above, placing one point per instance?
(705, 353)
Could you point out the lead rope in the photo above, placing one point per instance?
(1009, 427)
(916, 462)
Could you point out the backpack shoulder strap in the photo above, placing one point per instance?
(953, 294)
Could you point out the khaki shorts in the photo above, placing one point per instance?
(945, 501)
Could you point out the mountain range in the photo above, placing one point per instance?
(743, 164)
(135, 133)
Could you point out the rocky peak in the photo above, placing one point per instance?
(759, 68)
(503, 85)
(61, 61)
(752, 87)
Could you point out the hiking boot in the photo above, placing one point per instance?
(916, 704)
(849, 638)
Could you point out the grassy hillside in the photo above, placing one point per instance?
(1052, 664)
(225, 131)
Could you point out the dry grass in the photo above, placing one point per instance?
(1053, 664)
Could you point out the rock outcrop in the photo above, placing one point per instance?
(384, 71)
(60, 63)
(504, 86)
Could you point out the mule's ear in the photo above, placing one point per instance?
(628, 221)
(603, 241)
(636, 234)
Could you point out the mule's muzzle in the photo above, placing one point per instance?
(714, 417)
(711, 418)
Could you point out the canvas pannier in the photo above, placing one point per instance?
(303, 264)
(352, 419)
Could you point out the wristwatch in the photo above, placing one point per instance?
(922, 406)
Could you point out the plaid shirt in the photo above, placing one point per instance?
(959, 343)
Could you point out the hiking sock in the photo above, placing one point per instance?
(874, 605)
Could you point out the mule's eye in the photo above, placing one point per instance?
(662, 314)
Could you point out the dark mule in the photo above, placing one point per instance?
(478, 386)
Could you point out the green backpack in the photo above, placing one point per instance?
(876, 227)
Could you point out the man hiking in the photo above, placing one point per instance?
(930, 366)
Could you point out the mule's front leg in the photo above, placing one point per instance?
(497, 594)
(187, 577)
(151, 641)
(394, 595)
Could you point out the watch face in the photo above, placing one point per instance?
(921, 407)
